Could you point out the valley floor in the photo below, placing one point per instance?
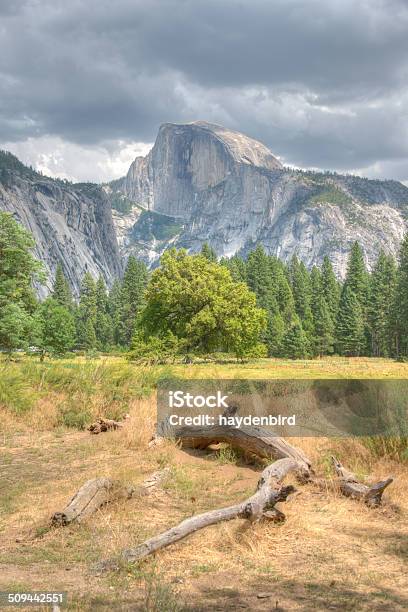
(332, 553)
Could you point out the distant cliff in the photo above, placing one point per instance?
(71, 224)
(204, 183)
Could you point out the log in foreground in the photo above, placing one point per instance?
(350, 487)
(256, 440)
(260, 505)
(91, 496)
(100, 491)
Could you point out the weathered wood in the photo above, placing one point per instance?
(90, 497)
(100, 491)
(103, 424)
(351, 487)
(269, 492)
(256, 440)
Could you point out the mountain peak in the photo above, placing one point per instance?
(242, 148)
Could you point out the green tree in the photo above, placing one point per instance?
(61, 291)
(295, 343)
(331, 288)
(57, 325)
(103, 323)
(301, 289)
(209, 252)
(17, 327)
(382, 296)
(350, 339)
(115, 312)
(198, 302)
(132, 296)
(86, 313)
(400, 308)
(237, 267)
(19, 270)
(357, 278)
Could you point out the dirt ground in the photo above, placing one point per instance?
(331, 553)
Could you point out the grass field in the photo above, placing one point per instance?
(332, 553)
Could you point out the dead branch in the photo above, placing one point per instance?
(260, 505)
(351, 487)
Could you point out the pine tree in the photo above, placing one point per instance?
(86, 313)
(295, 342)
(330, 288)
(301, 289)
(103, 325)
(61, 291)
(357, 281)
(115, 312)
(357, 278)
(132, 295)
(209, 252)
(401, 302)
(237, 267)
(350, 339)
(382, 295)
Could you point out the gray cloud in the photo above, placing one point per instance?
(322, 82)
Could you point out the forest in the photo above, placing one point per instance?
(195, 305)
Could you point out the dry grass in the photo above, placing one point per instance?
(331, 553)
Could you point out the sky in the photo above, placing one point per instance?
(85, 84)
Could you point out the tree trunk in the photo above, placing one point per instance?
(256, 440)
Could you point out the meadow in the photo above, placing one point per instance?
(330, 553)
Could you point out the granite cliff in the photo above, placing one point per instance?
(71, 224)
(204, 183)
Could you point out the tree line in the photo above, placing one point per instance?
(195, 304)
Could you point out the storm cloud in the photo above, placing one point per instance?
(85, 84)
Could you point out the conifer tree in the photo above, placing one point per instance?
(114, 310)
(357, 282)
(295, 342)
(401, 302)
(103, 324)
(382, 295)
(86, 313)
(350, 339)
(300, 282)
(330, 288)
(237, 267)
(61, 291)
(132, 296)
(209, 252)
(357, 278)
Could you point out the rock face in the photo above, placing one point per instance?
(204, 183)
(71, 224)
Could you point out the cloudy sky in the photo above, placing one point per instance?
(84, 84)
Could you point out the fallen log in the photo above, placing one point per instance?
(256, 440)
(100, 491)
(260, 505)
(351, 487)
(103, 424)
(90, 497)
